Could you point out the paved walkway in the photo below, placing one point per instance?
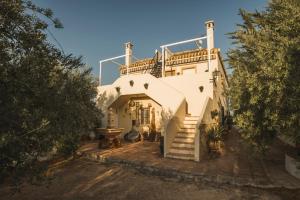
(235, 166)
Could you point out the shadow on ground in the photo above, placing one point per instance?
(85, 179)
(82, 179)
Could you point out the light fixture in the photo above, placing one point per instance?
(215, 74)
(131, 103)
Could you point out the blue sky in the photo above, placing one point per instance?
(97, 29)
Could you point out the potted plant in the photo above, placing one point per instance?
(215, 137)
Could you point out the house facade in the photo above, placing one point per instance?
(173, 93)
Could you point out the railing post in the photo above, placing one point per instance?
(163, 62)
(100, 69)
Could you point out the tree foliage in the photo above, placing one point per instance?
(47, 99)
(265, 84)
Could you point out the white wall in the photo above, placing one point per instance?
(189, 85)
(167, 96)
(173, 125)
(172, 90)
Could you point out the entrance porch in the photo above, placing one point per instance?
(138, 113)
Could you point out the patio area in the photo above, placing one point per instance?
(236, 165)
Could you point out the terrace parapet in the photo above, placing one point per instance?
(140, 65)
(193, 56)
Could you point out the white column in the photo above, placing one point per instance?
(128, 55)
(210, 33)
(210, 39)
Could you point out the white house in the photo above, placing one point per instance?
(173, 92)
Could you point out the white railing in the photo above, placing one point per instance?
(165, 48)
(106, 60)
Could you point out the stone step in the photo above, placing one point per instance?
(181, 156)
(184, 140)
(189, 122)
(182, 150)
(193, 118)
(189, 126)
(185, 135)
(187, 145)
(187, 130)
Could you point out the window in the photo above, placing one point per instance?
(170, 73)
(144, 115)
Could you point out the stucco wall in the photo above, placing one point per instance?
(170, 91)
(221, 86)
(200, 137)
(189, 85)
(168, 96)
(173, 124)
(179, 94)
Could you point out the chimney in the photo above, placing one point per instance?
(128, 53)
(210, 33)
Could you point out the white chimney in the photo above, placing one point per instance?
(128, 53)
(210, 34)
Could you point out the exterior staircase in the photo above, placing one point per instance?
(183, 145)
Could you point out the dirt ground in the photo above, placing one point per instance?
(83, 179)
(236, 161)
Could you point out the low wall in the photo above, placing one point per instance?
(173, 125)
(200, 138)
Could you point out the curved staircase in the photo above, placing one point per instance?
(183, 145)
